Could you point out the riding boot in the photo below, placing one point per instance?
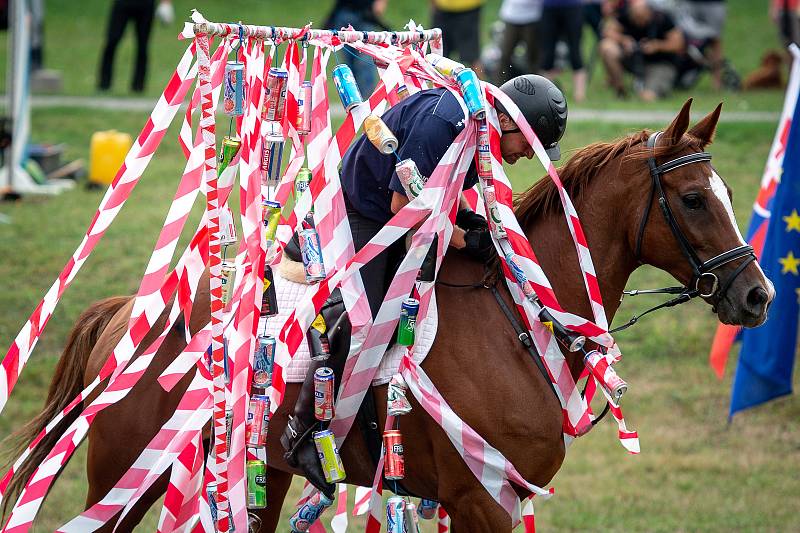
(300, 449)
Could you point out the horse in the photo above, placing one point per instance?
(614, 190)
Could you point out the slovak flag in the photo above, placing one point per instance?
(767, 354)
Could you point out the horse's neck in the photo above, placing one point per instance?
(605, 217)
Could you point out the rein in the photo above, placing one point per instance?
(700, 269)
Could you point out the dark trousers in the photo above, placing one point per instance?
(141, 13)
(561, 23)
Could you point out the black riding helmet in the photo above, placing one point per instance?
(543, 105)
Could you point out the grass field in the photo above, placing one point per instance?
(697, 472)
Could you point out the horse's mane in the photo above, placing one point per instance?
(542, 197)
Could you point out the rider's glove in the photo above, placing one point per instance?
(468, 219)
(479, 245)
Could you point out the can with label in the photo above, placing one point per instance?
(263, 359)
(275, 97)
(379, 134)
(309, 512)
(226, 370)
(269, 299)
(411, 178)
(483, 154)
(228, 278)
(605, 375)
(494, 212)
(324, 381)
(402, 92)
(397, 403)
(227, 228)
(304, 109)
(472, 92)
(393, 465)
(408, 321)
(211, 494)
(445, 65)
(317, 336)
(256, 484)
(412, 521)
(427, 509)
(311, 250)
(230, 147)
(228, 427)
(272, 154)
(395, 515)
(272, 216)
(257, 420)
(233, 88)
(301, 182)
(346, 86)
(329, 456)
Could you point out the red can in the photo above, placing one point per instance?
(393, 465)
(323, 393)
(275, 100)
(304, 109)
(257, 421)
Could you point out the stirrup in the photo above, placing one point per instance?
(292, 439)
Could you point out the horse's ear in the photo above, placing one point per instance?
(705, 129)
(675, 131)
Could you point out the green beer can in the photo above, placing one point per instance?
(230, 147)
(301, 182)
(408, 322)
(271, 213)
(256, 484)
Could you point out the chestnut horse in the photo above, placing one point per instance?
(610, 184)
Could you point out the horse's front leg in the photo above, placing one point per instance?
(473, 510)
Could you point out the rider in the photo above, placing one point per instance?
(425, 125)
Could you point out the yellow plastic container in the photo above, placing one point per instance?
(107, 152)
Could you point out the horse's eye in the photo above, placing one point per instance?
(693, 201)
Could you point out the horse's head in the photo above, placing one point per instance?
(687, 226)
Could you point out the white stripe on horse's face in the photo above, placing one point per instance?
(721, 192)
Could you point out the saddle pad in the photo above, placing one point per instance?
(290, 293)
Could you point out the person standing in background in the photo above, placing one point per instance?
(141, 12)
(521, 19)
(563, 19)
(786, 15)
(702, 22)
(459, 21)
(363, 15)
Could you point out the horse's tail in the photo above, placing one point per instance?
(66, 384)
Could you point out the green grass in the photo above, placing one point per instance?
(696, 471)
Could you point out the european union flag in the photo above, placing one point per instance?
(767, 355)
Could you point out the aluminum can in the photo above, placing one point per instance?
(393, 465)
(227, 229)
(427, 509)
(397, 403)
(311, 251)
(494, 212)
(395, 515)
(412, 521)
(272, 215)
(257, 420)
(228, 427)
(263, 360)
(408, 321)
(304, 109)
(233, 88)
(269, 299)
(256, 484)
(228, 279)
(317, 338)
(230, 147)
(275, 98)
(473, 94)
(323, 394)
(402, 92)
(519, 275)
(445, 65)
(605, 375)
(272, 154)
(410, 177)
(301, 181)
(211, 494)
(329, 456)
(484, 153)
(301, 521)
(380, 135)
(346, 86)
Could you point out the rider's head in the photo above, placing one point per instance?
(544, 107)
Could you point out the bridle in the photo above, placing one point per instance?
(700, 269)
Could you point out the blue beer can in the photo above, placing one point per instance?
(263, 360)
(427, 509)
(311, 250)
(346, 86)
(395, 515)
(302, 520)
(233, 88)
(473, 94)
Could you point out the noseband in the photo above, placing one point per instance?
(700, 269)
